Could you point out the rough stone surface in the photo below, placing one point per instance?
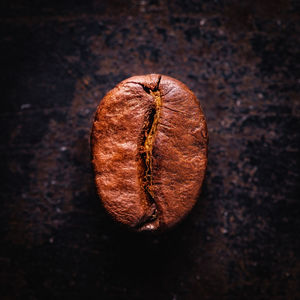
(59, 59)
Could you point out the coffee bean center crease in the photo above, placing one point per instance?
(148, 137)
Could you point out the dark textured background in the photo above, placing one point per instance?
(59, 58)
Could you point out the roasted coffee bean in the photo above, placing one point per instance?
(149, 151)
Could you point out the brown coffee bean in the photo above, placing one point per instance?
(149, 151)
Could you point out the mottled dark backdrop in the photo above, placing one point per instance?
(59, 58)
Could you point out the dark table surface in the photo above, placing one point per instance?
(58, 59)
